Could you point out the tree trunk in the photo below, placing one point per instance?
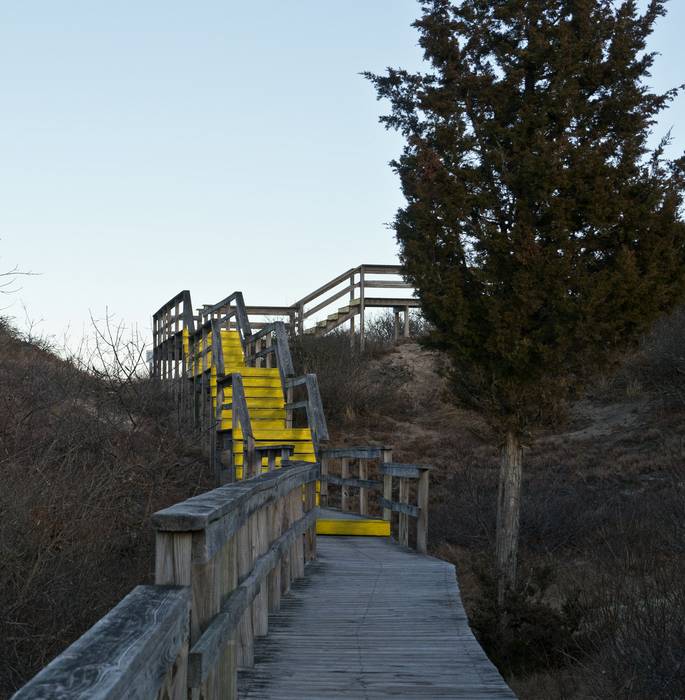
(508, 511)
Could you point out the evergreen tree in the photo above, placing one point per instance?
(541, 232)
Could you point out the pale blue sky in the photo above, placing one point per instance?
(152, 146)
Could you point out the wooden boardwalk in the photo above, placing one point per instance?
(371, 620)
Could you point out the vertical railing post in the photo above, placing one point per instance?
(324, 481)
(403, 528)
(387, 486)
(422, 522)
(310, 535)
(289, 395)
(361, 308)
(245, 633)
(344, 490)
(173, 567)
(274, 578)
(363, 492)
(260, 606)
(352, 316)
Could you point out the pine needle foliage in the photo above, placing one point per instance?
(542, 233)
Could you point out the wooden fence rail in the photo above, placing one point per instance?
(135, 651)
(223, 559)
(405, 474)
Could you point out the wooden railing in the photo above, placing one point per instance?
(354, 285)
(408, 477)
(223, 560)
(240, 418)
(269, 347)
(310, 403)
(223, 313)
(168, 323)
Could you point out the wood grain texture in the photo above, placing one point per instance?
(239, 500)
(126, 654)
(235, 611)
(372, 620)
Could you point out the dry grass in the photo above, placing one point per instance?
(85, 458)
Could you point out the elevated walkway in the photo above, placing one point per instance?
(371, 620)
(249, 603)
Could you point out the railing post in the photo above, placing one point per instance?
(387, 486)
(289, 395)
(361, 308)
(344, 490)
(422, 522)
(363, 492)
(324, 481)
(403, 528)
(310, 535)
(173, 567)
(245, 636)
(274, 577)
(352, 317)
(260, 606)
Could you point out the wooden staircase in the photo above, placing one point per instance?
(239, 387)
(265, 398)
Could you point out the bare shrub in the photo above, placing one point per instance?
(89, 448)
(380, 328)
(352, 384)
(638, 635)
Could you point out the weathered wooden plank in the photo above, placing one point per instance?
(397, 629)
(198, 512)
(405, 471)
(126, 654)
(204, 654)
(404, 511)
(404, 508)
(357, 452)
(344, 477)
(355, 483)
(422, 520)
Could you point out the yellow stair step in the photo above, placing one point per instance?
(356, 527)
(277, 435)
(258, 391)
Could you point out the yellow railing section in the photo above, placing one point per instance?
(264, 396)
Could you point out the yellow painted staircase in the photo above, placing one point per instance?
(265, 398)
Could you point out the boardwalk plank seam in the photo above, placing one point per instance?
(372, 620)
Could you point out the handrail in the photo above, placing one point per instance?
(316, 418)
(223, 560)
(388, 470)
(239, 547)
(126, 654)
(239, 310)
(240, 418)
(280, 348)
(406, 473)
(326, 287)
(168, 325)
(296, 312)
